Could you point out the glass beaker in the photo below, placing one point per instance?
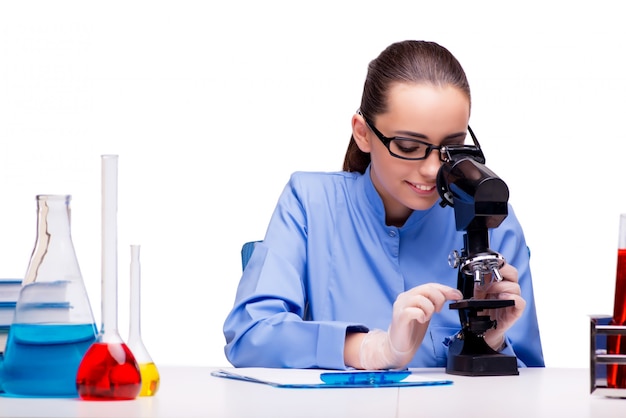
(616, 344)
(109, 370)
(149, 373)
(53, 325)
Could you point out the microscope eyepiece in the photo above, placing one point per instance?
(478, 195)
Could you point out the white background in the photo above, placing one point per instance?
(212, 105)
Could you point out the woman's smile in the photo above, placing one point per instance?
(422, 189)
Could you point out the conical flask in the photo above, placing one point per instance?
(53, 325)
(149, 373)
(108, 370)
(616, 344)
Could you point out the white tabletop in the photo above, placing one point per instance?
(193, 392)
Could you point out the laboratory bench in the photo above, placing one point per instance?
(194, 392)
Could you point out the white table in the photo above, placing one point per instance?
(193, 392)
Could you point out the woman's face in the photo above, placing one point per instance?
(436, 115)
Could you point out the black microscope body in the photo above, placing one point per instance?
(479, 199)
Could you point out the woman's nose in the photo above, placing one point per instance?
(431, 164)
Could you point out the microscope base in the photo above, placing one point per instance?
(482, 365)
(467, 358)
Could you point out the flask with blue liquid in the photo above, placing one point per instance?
(53, 325)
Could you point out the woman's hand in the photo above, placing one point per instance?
(508, 288)
(412, 312)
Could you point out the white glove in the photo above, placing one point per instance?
(412, 312)
(378, 352)
(508, 288)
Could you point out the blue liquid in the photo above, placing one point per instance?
(42, 360)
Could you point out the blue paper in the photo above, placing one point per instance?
(330, 380)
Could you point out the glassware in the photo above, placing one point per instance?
(149, 373)
(53, 325)
(616, 344)
(109, 370)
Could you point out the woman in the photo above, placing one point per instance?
(353, 271)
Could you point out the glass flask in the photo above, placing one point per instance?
(53, 325)
(109, 370)
(149, 373)
(616, 344)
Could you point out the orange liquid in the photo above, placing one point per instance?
(616, 344)
(108, 372)
(149, 379)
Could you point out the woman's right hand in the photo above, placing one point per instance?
(412, 312)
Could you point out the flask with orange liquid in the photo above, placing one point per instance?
(149, 373)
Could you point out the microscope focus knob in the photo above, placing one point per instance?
(454, 259)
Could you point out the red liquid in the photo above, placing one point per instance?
(108, 372)
(616, 344)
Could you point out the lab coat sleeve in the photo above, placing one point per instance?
(267, 326)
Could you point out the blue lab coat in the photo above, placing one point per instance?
(329, 264)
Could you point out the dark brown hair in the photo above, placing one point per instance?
(412, 62)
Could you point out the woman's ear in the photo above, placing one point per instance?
(359, 133)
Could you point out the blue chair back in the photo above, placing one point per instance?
(246, 253)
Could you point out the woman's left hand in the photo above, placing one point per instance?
(509, 289)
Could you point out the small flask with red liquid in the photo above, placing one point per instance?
(616, 344)
(109, 370)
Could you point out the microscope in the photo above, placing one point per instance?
(479, 199)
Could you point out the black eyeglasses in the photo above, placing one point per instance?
(414, 149)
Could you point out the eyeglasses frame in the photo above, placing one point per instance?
(446, 152)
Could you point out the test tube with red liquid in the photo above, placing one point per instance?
(616, 344)
(109, 370)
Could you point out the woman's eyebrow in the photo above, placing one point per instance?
(414, 134)
(458, 135)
